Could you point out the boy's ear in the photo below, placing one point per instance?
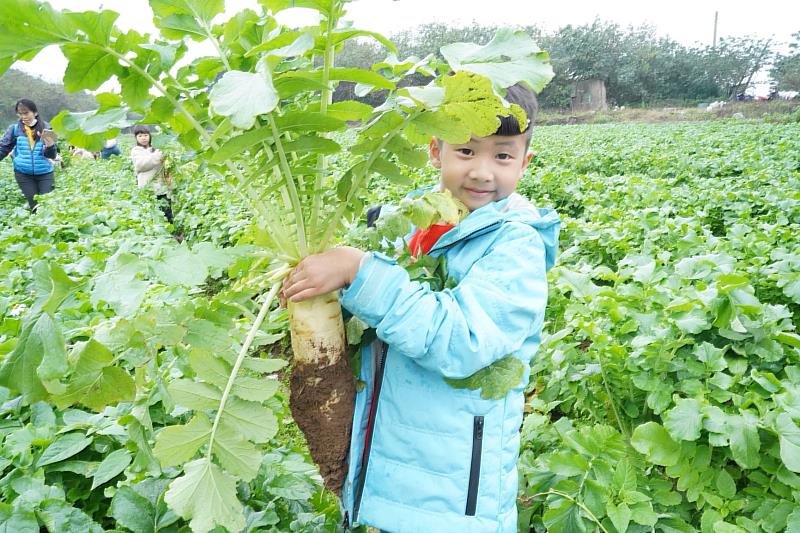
(528, 158)
(435, 152)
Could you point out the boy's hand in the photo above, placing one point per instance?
(322, 273)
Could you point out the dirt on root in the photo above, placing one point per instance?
(322, 403)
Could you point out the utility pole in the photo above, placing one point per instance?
(716, 18)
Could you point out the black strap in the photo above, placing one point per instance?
(372, 215)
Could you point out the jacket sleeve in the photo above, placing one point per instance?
(7, 143)
(50, 152)
(498, 304)
(144, 160)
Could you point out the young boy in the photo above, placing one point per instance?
(424, 456)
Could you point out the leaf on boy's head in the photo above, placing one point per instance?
(471, 99)
(518, 113)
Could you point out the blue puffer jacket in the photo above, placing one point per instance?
(441, 459)
(27, 161)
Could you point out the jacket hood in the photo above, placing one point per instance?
(513, 208)
(516, 208)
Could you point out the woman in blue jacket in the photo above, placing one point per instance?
(32, 144)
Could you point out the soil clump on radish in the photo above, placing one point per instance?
(322, 401)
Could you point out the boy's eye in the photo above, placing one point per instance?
(504, 156)
(465, 151)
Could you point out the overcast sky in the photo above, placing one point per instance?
(687, 21)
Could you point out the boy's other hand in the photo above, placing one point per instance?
(322, 273)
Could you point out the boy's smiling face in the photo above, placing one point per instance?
(483, 170)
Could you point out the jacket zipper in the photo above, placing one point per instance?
(475, 466)
(32, 150)
(381, 364)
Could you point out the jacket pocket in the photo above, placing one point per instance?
(475, 465)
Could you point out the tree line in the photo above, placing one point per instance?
(50, 98)
(786, 68)
(638, 66)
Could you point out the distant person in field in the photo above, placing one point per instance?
(110, 147)
(149, 165)
(82, 153)
(32, 145)
(425, 456)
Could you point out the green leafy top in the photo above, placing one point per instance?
(270, 101)
(505, 60)
(259, 114)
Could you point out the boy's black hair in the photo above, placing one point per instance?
(523, 96)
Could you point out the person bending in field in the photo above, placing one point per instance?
(424, 456)
(110, 148)
(32, 145)
(81, 153)
(149, 165)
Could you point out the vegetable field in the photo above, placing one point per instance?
(104, 320)
(666, 396)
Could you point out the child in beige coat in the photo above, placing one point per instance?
(149, 165)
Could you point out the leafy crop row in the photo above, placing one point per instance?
(666, 393)
(105, 323)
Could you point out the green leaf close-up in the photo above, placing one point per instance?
(95, 382)
(207, 495)
(494, 381)
(652, 440)
(63, 448)
(243, 96)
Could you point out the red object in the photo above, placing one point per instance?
(423, 239)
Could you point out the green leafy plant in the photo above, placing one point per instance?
(661, 396)
(260, 114)
(97, 270)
